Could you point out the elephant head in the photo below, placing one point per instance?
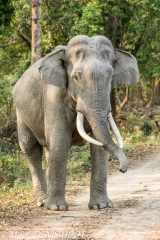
(88, 68)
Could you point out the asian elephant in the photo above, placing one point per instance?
(71, 84)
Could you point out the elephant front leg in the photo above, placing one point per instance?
(98, 184)
(56, 170)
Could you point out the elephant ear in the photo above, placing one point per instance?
(125, 69)
(52, 68)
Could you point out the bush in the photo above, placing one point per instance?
(13, 169)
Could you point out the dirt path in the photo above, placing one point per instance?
(136, 212)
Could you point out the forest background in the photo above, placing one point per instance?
(131, 25)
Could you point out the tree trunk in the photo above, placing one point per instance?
(125, 101)
(140, 93)
(36, 30)
(157, 91)
(155, 98)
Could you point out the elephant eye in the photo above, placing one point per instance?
(77, 75)
(75, 78)
(106, 53)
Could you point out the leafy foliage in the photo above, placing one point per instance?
(131, 25)
(14, 169)
(57, 21)
(143, 38)
(104, 18)
(6, 12)
(6, 101)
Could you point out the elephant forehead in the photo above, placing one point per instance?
(101, 40)
(83, 39)
(88, 44)
(78, 40)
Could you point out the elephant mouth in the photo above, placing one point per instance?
(84, 135)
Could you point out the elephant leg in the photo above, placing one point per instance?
(57, 155)
(32, 151)
(98, 184)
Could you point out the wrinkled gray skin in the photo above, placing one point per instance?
(76, 78)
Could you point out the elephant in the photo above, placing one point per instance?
(64, 99)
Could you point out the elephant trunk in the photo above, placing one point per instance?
(102, 134)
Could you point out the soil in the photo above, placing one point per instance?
(135, 215)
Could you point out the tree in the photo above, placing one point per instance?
(126, 99)
(36, 30)
(155, 97)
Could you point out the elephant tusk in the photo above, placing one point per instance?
(83, 134)
(115, 130)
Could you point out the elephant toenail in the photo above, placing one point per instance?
(95, 207)
(110, 205)
(39, 204)
(54, 208)
(62, 208)
(102, 205)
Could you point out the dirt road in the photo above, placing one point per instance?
(136, 212)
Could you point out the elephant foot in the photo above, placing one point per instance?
(55, 205)
(41, 200)
(99, 203)
(41, 195)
